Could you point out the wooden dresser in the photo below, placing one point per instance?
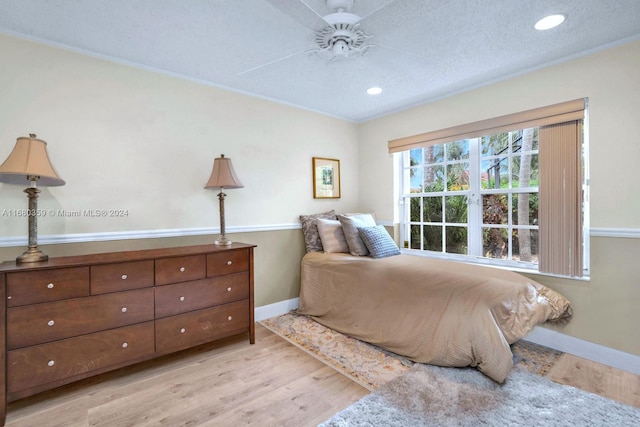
(70, 318)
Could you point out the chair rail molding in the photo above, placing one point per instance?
(140, 234)
(12, 241)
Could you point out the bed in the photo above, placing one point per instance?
(430, 310)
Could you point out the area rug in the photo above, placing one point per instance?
(371, 366)
(433, 396)
(365, 364)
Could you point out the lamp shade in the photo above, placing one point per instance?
(29, 158)
(223, 175)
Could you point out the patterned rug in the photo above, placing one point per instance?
(371, 366)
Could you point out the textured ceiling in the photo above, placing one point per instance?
(425, 49)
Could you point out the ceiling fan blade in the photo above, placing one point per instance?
(301, 12)
(272, 62)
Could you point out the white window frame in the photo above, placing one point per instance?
(475, 214)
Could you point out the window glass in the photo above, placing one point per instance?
(489, 210)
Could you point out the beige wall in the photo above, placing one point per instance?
(125, 138)
(276, 257)
(606, 306)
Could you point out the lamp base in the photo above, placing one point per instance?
(222, 241)
(32, 255)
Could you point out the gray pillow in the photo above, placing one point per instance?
(331, 236)
(310, 230)
(378, 241)
(350, 224)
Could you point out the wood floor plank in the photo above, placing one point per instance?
(270, 383)
(597, 378)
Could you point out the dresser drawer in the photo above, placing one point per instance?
(189, 296)
(40, 323)
(31, 287)
(180, 269)
(121, 276)
(45, 363)
(198, 327)
(227, 262)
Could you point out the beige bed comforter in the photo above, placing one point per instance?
(433, 311)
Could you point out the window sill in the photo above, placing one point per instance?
(511, 266)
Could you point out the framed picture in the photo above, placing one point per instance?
(326, 178)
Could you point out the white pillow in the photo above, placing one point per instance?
(350, 224)
(331, 236)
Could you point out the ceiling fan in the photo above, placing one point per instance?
(338, 35)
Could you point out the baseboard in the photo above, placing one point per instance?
(276, 309)
(542, 336)
(585, 349)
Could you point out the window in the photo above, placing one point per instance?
(507, 191)
(481, 187)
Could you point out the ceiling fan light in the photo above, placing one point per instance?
(549, 22)
(342, 37)
(340, 48)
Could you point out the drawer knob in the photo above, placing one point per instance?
(183, 330)
(51, 363)
(50, 286)
(125, 345)
(229, 318)
(124, 309)
(181, 298)
(229, 262)
(51, 323)
(182, 269)
(229, 289)
(124, 277)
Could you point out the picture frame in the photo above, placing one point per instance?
(326, 178)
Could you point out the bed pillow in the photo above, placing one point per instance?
(350, 224)
(310, 230)
(332, 236)
(379, 242)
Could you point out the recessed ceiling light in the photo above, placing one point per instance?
(374, 90)
(549, 22)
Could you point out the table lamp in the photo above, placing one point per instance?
(29, 163)
(223, 176)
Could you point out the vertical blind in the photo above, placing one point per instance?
(560, 165)
(560, 199)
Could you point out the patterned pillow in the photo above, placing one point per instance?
(378, 241)
(350, 224)
(310, 230)
(331, 236)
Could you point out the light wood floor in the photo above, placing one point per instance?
(596, 378)
(270, 383)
